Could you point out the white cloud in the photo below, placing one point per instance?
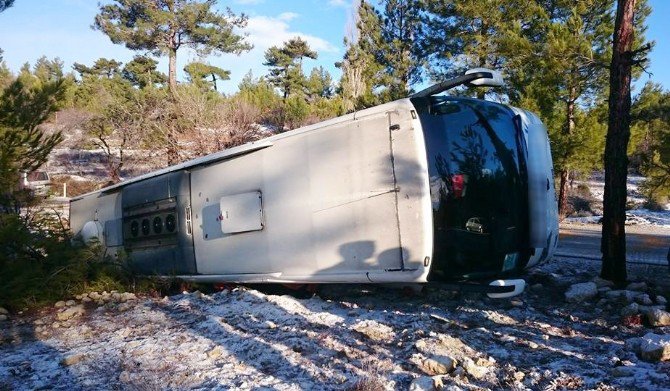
(339, 3)
(287, 16)
(265, 31)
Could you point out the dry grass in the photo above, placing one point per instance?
(368, 383)
(566, 382)
(74, 187)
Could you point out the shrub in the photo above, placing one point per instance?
(655, 203)
(579, 205)
(296, 111)
(42, 263)
(368, 383)
(74, 187)
(656, 191)
(583, 190)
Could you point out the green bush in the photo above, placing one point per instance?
(655, 202)
(296, 111)
(41, 263)
(583, 190)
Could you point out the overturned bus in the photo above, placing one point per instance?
(427, 188)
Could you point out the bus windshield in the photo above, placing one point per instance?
(478, 186)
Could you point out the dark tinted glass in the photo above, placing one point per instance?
(477, 191)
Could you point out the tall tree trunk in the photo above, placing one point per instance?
(172, 150)
(563, 193)
(613, 245)
(172, 71)
(565, 173)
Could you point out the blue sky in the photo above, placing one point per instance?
(61, 28)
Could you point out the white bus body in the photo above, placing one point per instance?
(386, 194)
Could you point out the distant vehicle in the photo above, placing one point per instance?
(400, 193)
(38, 182)
(474, 224)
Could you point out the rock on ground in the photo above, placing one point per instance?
(652, 347)
(581, 292)
(658, 317)
(72, 359)
(637, 286)
(476, 371)
(374, 330)
(602, 283)
(244, 338)
(426, 383)
(630, 309)
(70, 313)
(435, 365)
(626, 296)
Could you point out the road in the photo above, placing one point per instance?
(643, 244)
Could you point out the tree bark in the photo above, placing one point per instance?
(565, 173)
(172, 71)
(563, 193)
(613, 244)
(172, 151)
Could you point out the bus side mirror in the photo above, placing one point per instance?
(496, 79)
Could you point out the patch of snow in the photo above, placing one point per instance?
(636, 216)
(349, 335)
(633, 217)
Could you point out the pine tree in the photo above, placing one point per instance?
(496, 34)
(4, 4)
(205, 76)
(142, 72)
(362, 72)
(319, 84)
(24, 105)
(286, 65)
(625, 55)
(5, 75)
(650, 141)
(574, 59)
(101, 85)
(48, 70)
(260, 93)
(382, 61)
(398, 52)
(164, 27)
(103, 67)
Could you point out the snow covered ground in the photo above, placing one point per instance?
(348, 337)
(633, 217)
(637, 216)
